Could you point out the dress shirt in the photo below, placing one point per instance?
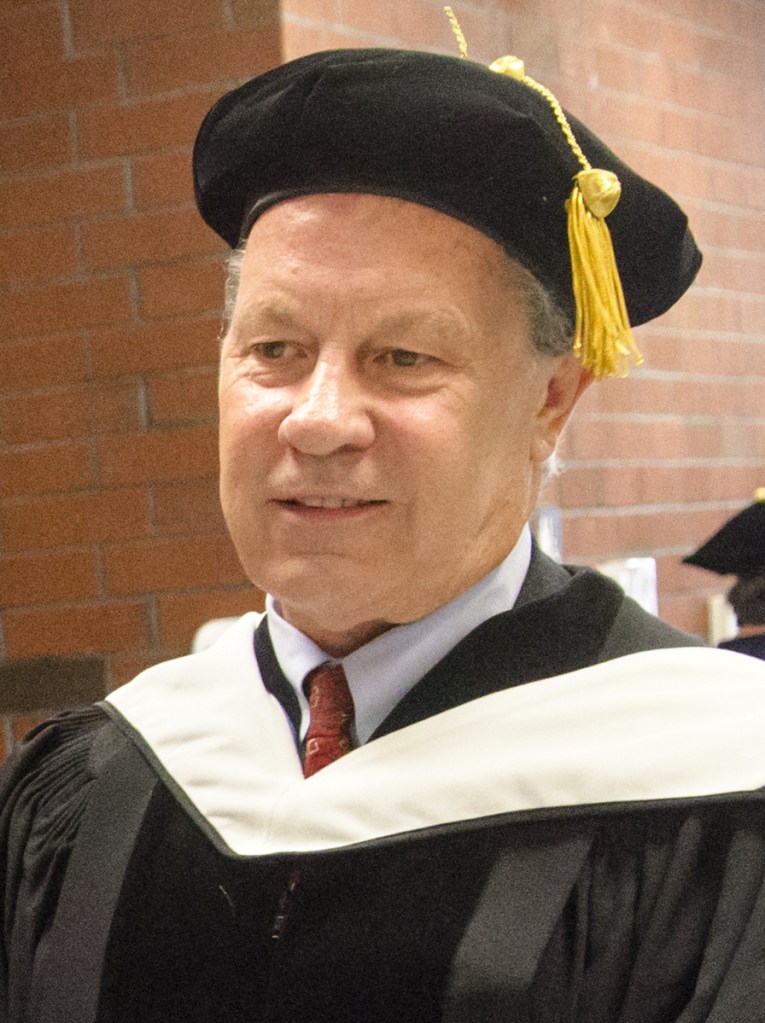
(382, 672)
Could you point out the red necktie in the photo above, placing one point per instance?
(331, 705)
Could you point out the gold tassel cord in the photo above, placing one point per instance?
(603, 340)
(457, 30)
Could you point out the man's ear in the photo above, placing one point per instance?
(566, 382)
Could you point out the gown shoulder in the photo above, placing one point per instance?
(44, 791)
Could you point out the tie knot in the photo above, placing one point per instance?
(331, 707)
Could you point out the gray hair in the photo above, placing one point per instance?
(550, 330)
(233, 276)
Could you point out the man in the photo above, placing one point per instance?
(738, 548)
(552, 806)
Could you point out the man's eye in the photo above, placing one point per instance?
(403, 358)
(272, 349)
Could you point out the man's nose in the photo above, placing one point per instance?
(330, 412)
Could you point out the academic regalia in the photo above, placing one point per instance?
(588, 848)
(738, 548)
(752, 646)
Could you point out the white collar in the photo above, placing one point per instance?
(383, 671)
(661, 724)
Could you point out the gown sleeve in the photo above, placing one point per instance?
(44, 789)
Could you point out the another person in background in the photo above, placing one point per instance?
(738, 548)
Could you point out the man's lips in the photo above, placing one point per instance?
(325, 501)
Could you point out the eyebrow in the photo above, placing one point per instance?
(278, 313)
(264, 313)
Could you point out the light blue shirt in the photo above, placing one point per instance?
(382, 672)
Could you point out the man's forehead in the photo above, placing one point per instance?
(364, 224)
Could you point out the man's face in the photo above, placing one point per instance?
(383, 416)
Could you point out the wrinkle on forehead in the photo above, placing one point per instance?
(406, 221)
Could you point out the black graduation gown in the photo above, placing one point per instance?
(752, 646)
(125, 900)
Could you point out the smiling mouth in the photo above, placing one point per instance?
(329, 502)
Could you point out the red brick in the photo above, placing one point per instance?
(149, 347)
(75, 519)
(731, 181)
(697, 355)
(255, 12)
(668, 437)
(745, 440)
(37, 254)
(162, 64)
(75, 412)
(299, 39)
(738, 19)
(630, 25)
(688, 614)
(46, 198)
(160, 179)
(84, 629)
(379, 19)
(675, 577)
(727, 228)
(30, 34)
(48, 578)
(616, 115)
(753, 315)
(700, 133)
(122, 668)
(186, 397)
(737, 271)
(643, 394)
(536, 38)
(689, 176)
(160, 456)
(188, 508)
(713, 95)
(173, 564)
(585, 538)
(45, 309)
(35, 143)
(600, 535)
(42, 363)
(657, 484)
(181, 615)
(140, 127)
(580, 487)
(181, 289)
(43, 87)
(98, 22)
(52, 468)
(146, 238)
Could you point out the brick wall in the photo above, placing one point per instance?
(110, 288)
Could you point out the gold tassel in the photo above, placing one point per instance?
(603, 340)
